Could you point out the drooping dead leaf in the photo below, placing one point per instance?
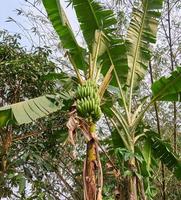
(72, 125)
(85, 130)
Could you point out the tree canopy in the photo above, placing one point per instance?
(88, 123)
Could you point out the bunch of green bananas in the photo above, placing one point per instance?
(88, 101)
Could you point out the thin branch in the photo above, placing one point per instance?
(68, 186)
(172, 69)
(159, 131)
(112, 163)
(33, 5)
(24, 136)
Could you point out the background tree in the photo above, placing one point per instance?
(26, 151)
(106, 157)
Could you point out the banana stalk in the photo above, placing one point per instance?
(93, 178)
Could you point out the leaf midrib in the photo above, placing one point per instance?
(135, 57)
(65, 22)
(90, 5)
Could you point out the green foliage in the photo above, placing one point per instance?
(64, 31)
(109, 47)
(130, 60)
(115, 55)
(164, 152)
(27, 111)
(141, 32)
(30, 75)
(168, 89)
(32, 146)
(93, 13)
(18, 69)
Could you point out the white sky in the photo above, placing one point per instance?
(8, 9)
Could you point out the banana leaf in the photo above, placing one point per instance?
(168, 89)
(163, 151)
(62, 26)
(28, 111)
(141, 32)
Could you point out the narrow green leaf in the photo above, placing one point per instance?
(21, 182)
(147, 154)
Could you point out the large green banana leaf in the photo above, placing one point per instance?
(141, 32)
(66, 35)
(164, 152)
(116, 55)
(168, 89)
(28, 111)
(93, 16)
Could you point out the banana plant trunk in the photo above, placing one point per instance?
(93, 179)
(132, 182)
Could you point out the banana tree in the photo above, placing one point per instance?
(93, 66)
(140, 143)
(135, 142)
(105, 60)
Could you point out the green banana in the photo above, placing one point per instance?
(88, 101)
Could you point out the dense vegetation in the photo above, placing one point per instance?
(89, 133)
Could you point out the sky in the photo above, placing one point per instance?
(8, 9)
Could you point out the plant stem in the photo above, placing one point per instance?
(159, 131)
(92, 174)
(172, 69)
(132, 181)
(122, 96)
(95, 54)
(76, 70)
